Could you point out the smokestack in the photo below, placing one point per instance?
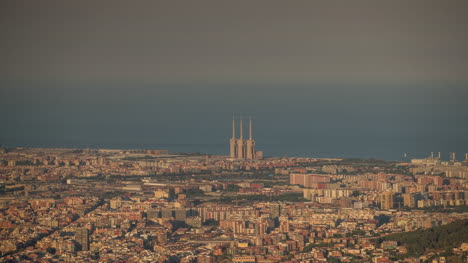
(250, 128)
(432, 155)
(466, 157)
(233, 128)
(452, 157)
(241, 136)
(440, 156)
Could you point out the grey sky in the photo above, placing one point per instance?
(235, 41)
(322, 78)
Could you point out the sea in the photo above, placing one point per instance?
(375, 121)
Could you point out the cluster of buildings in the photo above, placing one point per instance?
(145, 229)
(383, 190)
(68, 205)
(437, 166)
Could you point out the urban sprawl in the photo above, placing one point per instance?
(97, 205)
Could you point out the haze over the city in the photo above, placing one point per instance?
(327, 79)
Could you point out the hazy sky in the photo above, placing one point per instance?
(235, 41)
(329, 77)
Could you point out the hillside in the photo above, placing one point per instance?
(438, 238)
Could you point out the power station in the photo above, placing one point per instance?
(241, 148)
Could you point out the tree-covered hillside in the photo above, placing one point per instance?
(438, 238)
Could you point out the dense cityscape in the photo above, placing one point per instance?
(101, 205)
(218, 131)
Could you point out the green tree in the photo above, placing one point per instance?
(232, 188)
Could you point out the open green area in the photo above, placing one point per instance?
(289, 197)
(309, 247)
(439, 238)
(453, 209)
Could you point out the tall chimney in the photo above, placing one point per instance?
(241, 142)
(452, 157)
(233, 128)
(250, 128)
(233, 152)
(241, 136)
